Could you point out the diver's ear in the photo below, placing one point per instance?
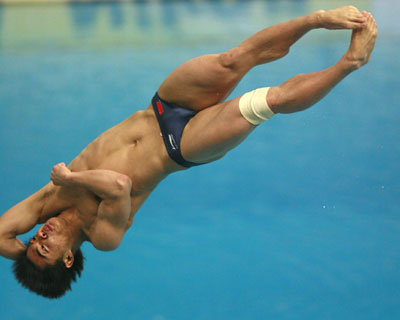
(68, 259)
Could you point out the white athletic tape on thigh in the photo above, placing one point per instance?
(254, 107)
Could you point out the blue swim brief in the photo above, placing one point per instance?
(172, 120)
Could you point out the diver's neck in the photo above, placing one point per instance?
(76, 226)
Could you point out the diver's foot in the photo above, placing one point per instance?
(348, 17)
(362, 43)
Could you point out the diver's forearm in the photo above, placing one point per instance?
(11, 248)
(104, 183)
(20, 219)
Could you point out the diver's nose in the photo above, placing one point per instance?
(43, 235)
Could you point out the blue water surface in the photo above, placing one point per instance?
(301, 221)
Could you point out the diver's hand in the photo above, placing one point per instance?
(60, 175)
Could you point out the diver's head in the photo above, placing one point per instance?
(51, 261)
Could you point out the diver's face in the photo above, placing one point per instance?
(49, 244)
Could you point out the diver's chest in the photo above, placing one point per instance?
(86, 203)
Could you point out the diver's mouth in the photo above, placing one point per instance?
(48, 227)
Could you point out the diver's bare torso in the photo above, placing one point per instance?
(133, 147)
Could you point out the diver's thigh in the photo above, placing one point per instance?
(201, 82)
(214, 131)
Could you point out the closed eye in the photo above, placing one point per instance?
(38, 252)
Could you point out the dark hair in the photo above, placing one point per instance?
(52, 281)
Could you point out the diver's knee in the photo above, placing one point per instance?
(231, 58)
(254, 106)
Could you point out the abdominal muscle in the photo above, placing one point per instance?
(133, 147)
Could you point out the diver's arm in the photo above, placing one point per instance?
(114, 210)
(106, 184)
(11, 248)
(112, 187)
(18, 220)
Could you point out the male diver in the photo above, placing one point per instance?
(96, 196)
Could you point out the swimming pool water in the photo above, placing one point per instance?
(299, 222)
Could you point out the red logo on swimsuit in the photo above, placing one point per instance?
(160, 108)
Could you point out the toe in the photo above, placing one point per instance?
(359, 18)
(355, 26)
